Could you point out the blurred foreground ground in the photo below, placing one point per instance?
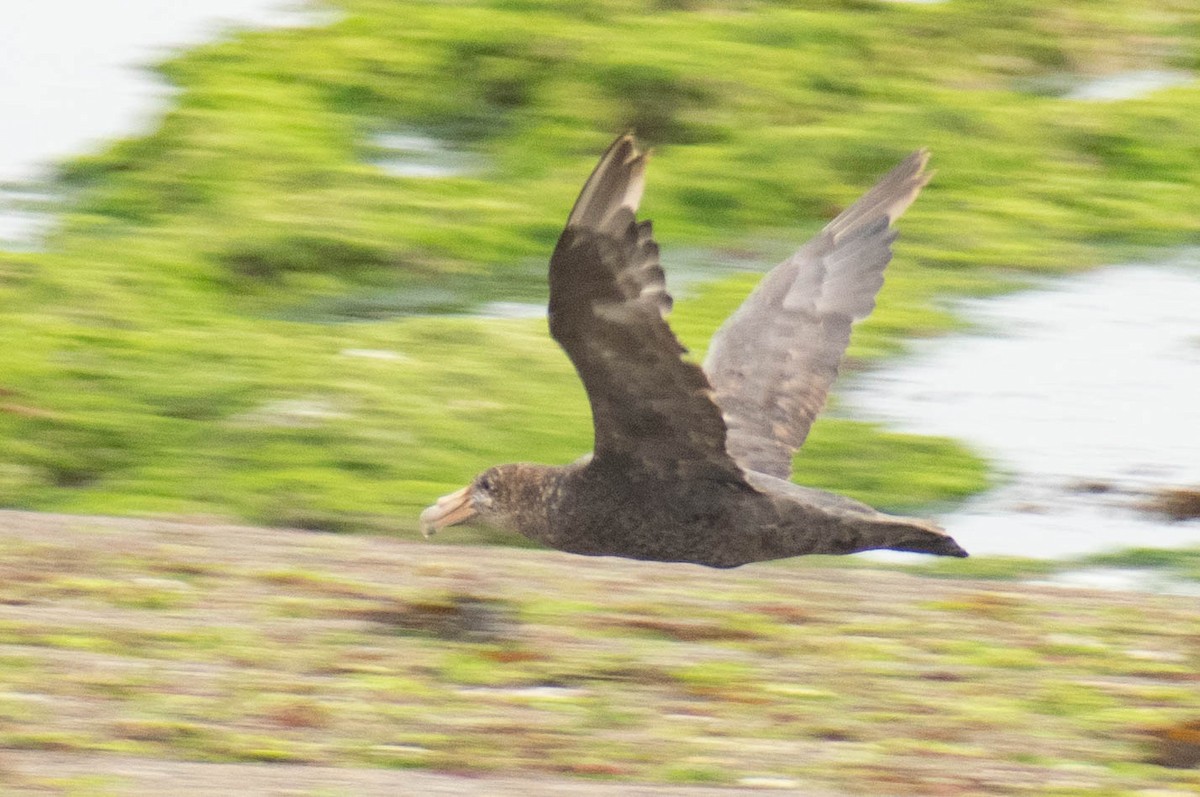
(144, 776)
(141, 655)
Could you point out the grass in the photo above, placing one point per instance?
(227, 321)
(844, 680)
(1182, 564)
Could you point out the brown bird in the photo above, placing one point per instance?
(692, 464)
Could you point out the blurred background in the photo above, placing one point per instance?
(283, 265)
(296, 275)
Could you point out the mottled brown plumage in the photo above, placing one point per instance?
(691, 464)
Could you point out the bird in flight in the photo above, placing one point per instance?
(691, 463)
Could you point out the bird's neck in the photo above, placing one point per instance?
(535, 503)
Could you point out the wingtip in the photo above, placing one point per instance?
(923, 173)
(904, 183)
(617, 181)
(919, 157)
(914, 167)
(626, 145)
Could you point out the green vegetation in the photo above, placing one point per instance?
(840, 681)
(224, 323)
(1182, 564)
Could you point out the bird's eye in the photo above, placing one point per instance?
(485, 483)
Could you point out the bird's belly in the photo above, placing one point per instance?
(671, 526)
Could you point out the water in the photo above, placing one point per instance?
(512, 310)
(406, 153)
(25, 215)
(1128, 85)
(1120, 86)
(74, 74)
(1122, 579)
(1084, 394)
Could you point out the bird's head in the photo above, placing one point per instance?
(502, 496)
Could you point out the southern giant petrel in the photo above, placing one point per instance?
(692, 464)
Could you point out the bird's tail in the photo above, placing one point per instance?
(916, 536)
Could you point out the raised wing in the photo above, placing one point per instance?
(773, 360)
(653, 412)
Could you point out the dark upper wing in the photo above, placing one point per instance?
(773, 360)
(653, 413)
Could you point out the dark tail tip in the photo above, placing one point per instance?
(925, 536)
(936, 544)
(952, 548)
